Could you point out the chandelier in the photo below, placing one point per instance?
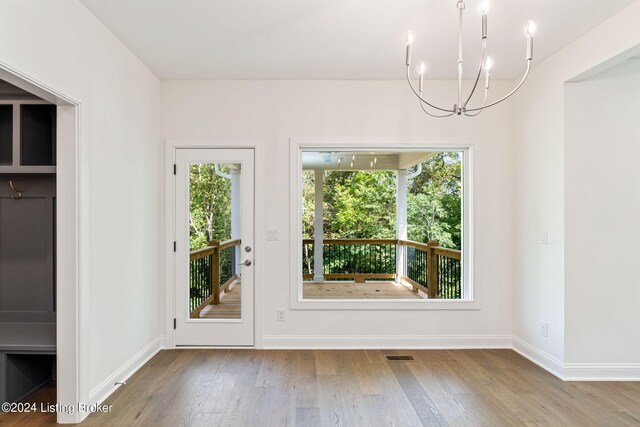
(462, 105)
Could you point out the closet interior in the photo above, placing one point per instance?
(27, 243)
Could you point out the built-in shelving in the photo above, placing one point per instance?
(27, 137)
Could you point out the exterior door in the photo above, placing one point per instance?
(214, 234)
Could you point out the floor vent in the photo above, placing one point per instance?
(400, 358)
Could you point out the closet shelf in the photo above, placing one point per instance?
(27, 169)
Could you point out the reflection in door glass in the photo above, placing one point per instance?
(214, 239)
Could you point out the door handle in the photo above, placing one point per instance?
(246, 263)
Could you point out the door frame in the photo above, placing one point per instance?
(72, 297)
(171, 145)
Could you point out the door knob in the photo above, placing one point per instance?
(246, 263)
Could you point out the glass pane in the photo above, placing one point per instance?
(390, 228)
(214, 274)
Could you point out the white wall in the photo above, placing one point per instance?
(63, 46)
(540, 165)
(602, 211)
(274, 111)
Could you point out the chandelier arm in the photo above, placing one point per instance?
(526, 74)
(420, 97)
(434, 115)
(475, 85)
(484, 103)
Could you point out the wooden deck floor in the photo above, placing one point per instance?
(351, 290)
(229, 307)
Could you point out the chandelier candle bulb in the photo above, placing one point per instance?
(484, 25)
(487, 71)
(421, 72)
(531, 29)
(409, 43)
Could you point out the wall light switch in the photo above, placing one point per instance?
(544, 237)
(273, 234)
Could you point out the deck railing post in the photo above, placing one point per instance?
(215, 271)
(432, 269)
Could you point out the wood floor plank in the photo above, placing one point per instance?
(420, 401)
(246, 387)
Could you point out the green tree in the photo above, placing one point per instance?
(434, 201)
(361, 204)
(210, 205)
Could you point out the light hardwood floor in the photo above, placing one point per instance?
(360, 388)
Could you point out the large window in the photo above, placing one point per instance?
(383, 225)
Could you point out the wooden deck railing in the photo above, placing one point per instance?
(353, 259)
(211, 270)
(432, 268)
(427, 266)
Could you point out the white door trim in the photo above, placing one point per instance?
(72, 300)
(171, 145)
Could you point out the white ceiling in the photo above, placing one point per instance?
(337, 39)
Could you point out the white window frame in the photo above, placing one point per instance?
(469, 201)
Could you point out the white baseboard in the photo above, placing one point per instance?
(602, 371)
(577, 371)
(355, 342)
(539, 357)
(106, 387)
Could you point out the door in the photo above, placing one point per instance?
(214, 213)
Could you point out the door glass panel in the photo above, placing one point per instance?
(214, 241)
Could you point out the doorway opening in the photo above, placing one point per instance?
(40, 352)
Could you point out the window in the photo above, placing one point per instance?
(383, 225)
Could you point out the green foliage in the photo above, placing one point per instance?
(210, 205)
(362, 204)
(434, 201)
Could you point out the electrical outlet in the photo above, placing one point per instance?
(281, 315)
(544, 329)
